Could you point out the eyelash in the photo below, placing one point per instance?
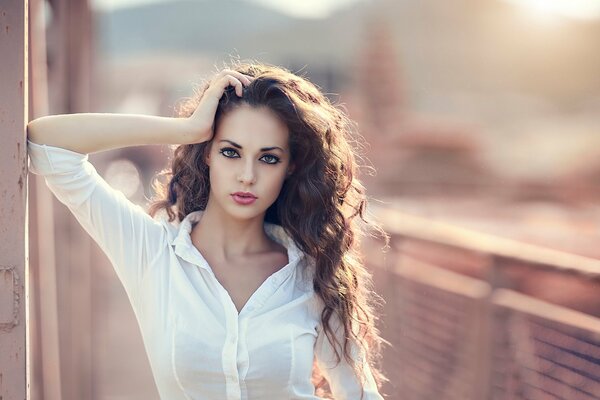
(274, 157)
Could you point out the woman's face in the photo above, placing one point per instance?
(249, 153)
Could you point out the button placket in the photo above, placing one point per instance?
(230, 346)
(243, 360)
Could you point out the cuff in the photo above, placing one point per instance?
(46, 159)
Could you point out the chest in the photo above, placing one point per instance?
(269, 354)
(240, 285)
(242, 280)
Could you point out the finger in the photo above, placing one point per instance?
(218, 85)
(241, 77)
(233, 81)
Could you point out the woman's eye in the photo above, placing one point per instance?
(271, 159)
(229, 153)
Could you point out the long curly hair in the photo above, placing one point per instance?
(317, 205)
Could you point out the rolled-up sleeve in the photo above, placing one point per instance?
(341, 377)
(123, 230)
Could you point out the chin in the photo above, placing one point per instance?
(245, 212)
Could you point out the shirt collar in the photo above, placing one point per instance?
(180, 238)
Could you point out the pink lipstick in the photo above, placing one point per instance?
(243, 198)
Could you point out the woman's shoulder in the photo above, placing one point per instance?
(306, 272)
(171, 227)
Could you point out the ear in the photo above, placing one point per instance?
(207, 153)
(290, 170)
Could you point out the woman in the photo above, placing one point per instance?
(245, 278)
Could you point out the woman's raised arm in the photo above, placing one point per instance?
(94, 132)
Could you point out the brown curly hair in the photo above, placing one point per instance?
(317, 204)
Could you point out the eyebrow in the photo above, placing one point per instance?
(263, 149)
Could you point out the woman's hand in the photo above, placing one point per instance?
(203, 117)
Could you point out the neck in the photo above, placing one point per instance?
(228, 237)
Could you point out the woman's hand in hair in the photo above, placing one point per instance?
(203, 117)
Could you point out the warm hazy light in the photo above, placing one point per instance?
(582, 9)
(299, 9)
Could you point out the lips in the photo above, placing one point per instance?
(244, 195)
(243, 198)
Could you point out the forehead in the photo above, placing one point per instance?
(253, 127)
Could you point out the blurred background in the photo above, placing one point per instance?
(480, 124)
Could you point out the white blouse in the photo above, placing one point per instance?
(198, 345)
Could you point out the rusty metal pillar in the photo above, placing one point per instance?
(13, 201)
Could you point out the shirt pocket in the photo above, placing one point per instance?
(196, 360)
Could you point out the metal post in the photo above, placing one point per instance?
(14, 293)
(44, 347)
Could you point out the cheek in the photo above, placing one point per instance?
(276, 182)
(217, 174)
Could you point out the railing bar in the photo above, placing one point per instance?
(570, 360)
(410, 226)
(565, 375)
(549, 380)
(541, 309)
(551, 335)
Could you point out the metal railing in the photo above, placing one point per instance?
(460, 329)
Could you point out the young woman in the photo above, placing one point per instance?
(245, 275)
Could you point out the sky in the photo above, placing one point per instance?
(303, 8)
(578, 9)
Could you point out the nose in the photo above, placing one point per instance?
(247, 175)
